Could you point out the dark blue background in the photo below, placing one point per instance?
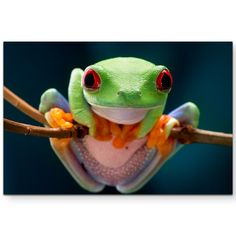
(202, 74)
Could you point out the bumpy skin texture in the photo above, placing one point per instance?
(127, 83)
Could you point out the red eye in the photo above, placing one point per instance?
(164, 81)
(91, 80)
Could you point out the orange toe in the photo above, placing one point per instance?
(102, 129)
(158, 138)
(61, 119)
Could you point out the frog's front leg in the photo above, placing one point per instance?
(56, 110)
(159, 135)
(161, 146)
(187, 114)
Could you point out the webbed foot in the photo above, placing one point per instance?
(159, 135)
(56, 117)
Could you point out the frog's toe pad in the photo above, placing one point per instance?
(56, 117)
(159, 135)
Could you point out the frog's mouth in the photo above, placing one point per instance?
(122, 115)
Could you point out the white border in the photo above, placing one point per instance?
(121, 20)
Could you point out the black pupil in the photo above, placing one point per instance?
(166, 81)
(89, 81)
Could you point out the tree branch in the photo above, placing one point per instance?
(26, 129)
(23, 106)
(185, 134)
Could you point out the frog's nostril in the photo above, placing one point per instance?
(120, 93)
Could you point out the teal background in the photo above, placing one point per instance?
(202, 73)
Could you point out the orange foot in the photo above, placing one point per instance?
(121, 134)
(56, 118)
(124, 134)
(159, 135)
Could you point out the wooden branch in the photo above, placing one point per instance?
(26, 129)
(185, 134)
(23, 106)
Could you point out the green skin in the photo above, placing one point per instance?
(128, 89)
(125, 83)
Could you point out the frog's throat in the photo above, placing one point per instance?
(121, 115)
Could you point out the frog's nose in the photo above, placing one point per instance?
(129, 97)
(128, 94)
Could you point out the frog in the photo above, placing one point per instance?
(121, 102)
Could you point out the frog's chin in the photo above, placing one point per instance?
(121, 115)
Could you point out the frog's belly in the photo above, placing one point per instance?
(109, 165)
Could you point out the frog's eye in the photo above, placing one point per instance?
(164, 81)
(91, 80)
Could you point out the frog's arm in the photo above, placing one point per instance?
(50, 99)
(188, 113)
(79, 107)
(149, 121)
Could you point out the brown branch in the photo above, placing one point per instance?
(23, 106)
(26, 129)
(185, 134)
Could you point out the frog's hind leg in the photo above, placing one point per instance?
(70, 161)
(187, 114)
(53, 99)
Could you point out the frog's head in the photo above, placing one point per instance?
(124, 90)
